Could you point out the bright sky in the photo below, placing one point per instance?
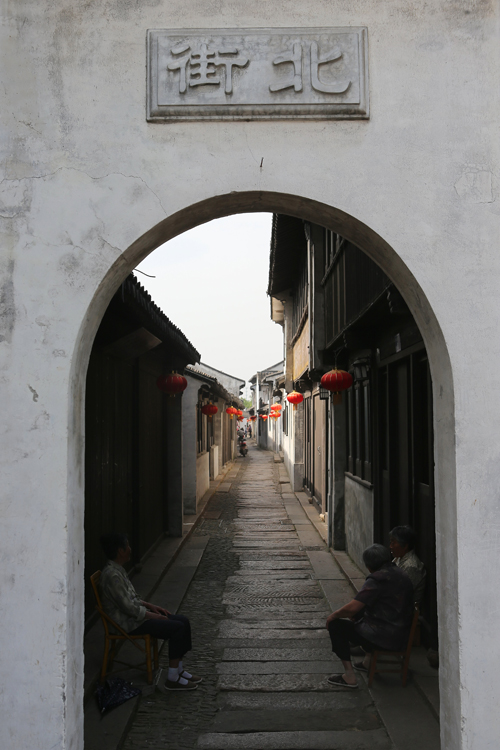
(211, 282)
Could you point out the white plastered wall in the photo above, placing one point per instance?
(89, 188)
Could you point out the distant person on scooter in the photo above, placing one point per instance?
(242, 445)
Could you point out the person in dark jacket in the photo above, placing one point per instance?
(379, 616)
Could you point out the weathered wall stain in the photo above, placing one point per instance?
(35, 394)
(7, 303)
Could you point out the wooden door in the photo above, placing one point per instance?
(308, 445)
(319, 452)
(384, 455)
(400, 441)
(405, 469)
(423, 479)
(151, 463)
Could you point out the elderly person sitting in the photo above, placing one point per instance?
(401, 543)
(121, 601)
(380, 615)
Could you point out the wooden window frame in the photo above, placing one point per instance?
(299, 301)
(359, 431)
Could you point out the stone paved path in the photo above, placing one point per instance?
(258, 617)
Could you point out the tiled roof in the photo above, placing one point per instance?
(139, 300)
(217, 388)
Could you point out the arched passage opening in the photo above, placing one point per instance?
(388, 260)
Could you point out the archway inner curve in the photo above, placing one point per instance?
(394, 267)
(301, 207)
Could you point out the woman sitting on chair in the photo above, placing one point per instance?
(122, 603)
(382, 610)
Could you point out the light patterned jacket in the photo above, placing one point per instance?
(415, 570)
(119, 598)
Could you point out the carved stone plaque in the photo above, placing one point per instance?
(257, 74)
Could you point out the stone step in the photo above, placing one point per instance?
(248, 524)
(273, 597)
(269, 527)
(259, 643)
(296, 720)
(280, 683)
(256, 504)
(259, 609)
(254, 565)
(285, 623)
(286, 544)
(324, 667)
(271, 515)
(280, 555)
(267, 511)
(375, 739)
(330, 701)
(266, 536)
(274, 600)
(279, 588)
(279, 654)
(269, 575)
(240, 630)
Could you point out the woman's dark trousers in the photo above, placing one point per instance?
(342, 635)
(176, 630)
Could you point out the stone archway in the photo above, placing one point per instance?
(91, 186)
(392, 264)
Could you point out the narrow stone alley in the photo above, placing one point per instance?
(258, 615)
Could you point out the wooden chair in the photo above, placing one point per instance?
(400, 659)
(111, 639)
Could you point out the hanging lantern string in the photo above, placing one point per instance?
(336, 354)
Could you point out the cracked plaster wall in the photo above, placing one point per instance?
(84, 177)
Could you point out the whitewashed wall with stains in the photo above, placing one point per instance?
(89, 188)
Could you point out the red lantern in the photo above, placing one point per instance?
(172, 384)
(336, 381)
(209, 410)
(239, 413)
(264, 417)
(276, 407)
(231, 411)
(295, 398)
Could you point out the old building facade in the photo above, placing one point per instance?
(404, 165)
(208, 441)
(367, 462)
(264, 387)
(134, 478)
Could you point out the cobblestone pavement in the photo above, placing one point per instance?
(260, 642)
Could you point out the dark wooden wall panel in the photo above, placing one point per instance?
(405, 493)
(127, 462)
(151, 457)
(108, 476)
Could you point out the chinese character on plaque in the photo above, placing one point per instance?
(201, 66)
(295, 57)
